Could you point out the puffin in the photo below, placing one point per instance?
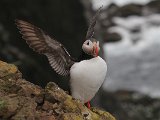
(87, 73)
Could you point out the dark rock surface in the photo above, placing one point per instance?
(130, 105)
(112, 37)
(64, 20)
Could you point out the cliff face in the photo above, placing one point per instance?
(62, 20)
(20, 99)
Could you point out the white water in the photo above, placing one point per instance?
(134, 62)
(105, 3)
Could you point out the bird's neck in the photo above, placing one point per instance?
(84, 56)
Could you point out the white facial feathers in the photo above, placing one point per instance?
(87, 47)
(91, 48)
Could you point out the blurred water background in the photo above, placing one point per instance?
(129, 31)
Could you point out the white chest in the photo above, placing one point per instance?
(87, 77)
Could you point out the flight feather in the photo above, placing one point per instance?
(39, 41)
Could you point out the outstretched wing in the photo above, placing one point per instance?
(58, 57)
(90, 31)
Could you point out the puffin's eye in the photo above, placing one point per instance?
(88, 43)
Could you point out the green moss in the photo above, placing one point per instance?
(104, 115)
(6, 87)
(71, 116)
(2, 105)
(7, 70)
(51, 86)
(9, 87)
(70, 105)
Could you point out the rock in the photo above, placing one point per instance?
(154, 6)
(20, 99)
(112, 37)
(131, 105)
(131, 9)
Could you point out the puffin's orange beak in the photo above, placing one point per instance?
(95, 48)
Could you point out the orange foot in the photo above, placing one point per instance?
(88, 104)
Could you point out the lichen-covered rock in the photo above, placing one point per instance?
(20, 99)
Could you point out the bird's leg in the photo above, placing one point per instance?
(88, 104)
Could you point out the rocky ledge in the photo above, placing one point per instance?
(20, 99)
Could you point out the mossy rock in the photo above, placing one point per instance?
(20, 99)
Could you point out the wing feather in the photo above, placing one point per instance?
(58, 57)
(90, 31)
